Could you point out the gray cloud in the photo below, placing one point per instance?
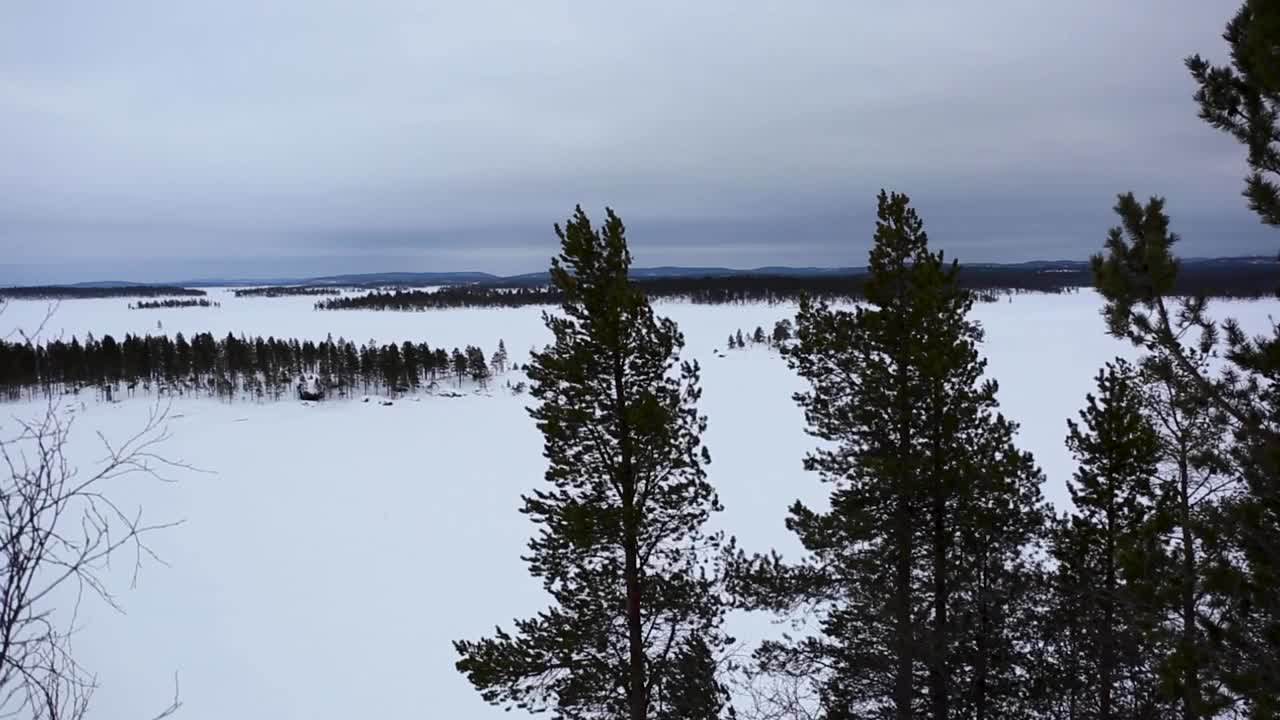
(158, 139)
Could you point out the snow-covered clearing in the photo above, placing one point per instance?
(334, 550)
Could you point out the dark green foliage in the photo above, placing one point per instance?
(1234, 277)
(1194, 479)
(499, 360)
(477, 366)
(781, 331)
(286, 291)
(1110, 552)
(619, 546)
(916, 573)
(1243, 99)
(265, 368)
(1241, 535)
(692, 689)
(460, 365)
(64, 292)
(171, 303)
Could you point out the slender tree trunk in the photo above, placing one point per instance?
(902, 606)
(938, 680)
(637, 699)
(1191, 675)
(981, 670)
(1106, 671)
(637, 690)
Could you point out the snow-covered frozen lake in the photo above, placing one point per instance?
(333, 551)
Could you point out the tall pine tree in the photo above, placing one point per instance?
(1111, 548)
(1242, 544)
(913, 572)
(635, 612)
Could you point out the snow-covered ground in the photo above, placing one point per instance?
(333, 551)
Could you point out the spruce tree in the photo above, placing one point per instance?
(620, 547)
(913, 572)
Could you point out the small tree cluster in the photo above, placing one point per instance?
(157, 304)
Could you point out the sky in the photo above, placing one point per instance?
(163, 140)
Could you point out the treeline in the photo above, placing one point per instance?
(1230, 279)
(450, 296)
(285, 291)
(232, 366)
(155, 304)
(64, 292)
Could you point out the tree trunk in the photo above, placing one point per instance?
(980, 670)
(1191, 675)
(637, 695)
(938, 652)
(1106, 669)
(637, 690)
(902, 606)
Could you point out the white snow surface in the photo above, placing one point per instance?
(334, 549)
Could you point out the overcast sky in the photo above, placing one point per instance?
(168, 140)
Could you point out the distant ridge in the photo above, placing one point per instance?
(664, 271)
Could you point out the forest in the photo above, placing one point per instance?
(71, 292)
(234, 367)
(286, 291)
(1253, 278)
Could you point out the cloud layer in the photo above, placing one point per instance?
(156, 139)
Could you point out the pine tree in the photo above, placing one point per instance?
(914, 571)
(477, 366)
(1194, 478)
(1242, 544)
(1112, 544)
(692, 689)
(500, 358)
(460, 365)
(1243, 99)
(620, 547)
(781, 332)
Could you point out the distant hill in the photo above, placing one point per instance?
(419, 279)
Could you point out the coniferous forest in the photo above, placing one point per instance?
(70, 292)
(286, 291)
(234, 367)
(989, 283)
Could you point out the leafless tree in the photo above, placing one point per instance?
(59, 529)
(773, 694)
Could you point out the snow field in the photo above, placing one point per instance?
(334, 550)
